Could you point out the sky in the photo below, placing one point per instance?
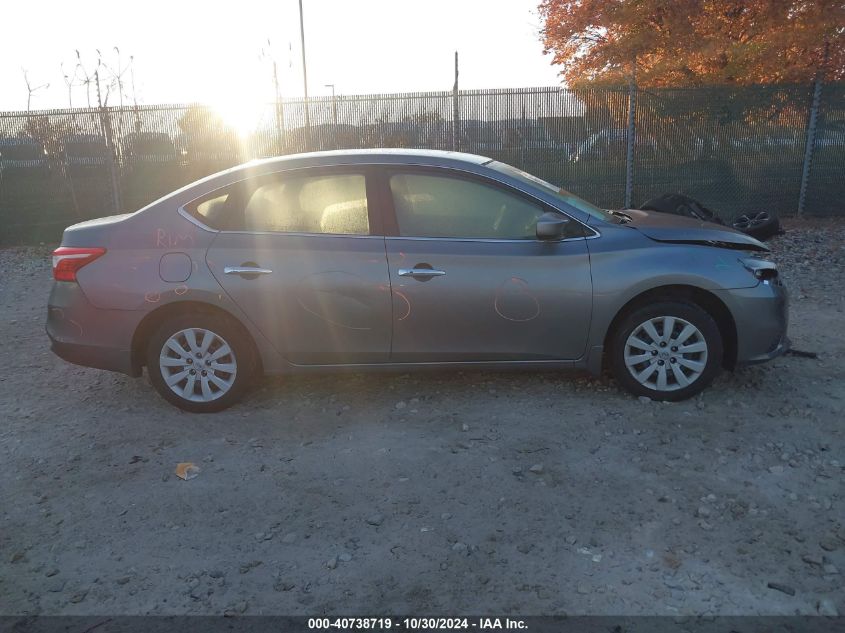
(210, 52)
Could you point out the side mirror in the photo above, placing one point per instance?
(551, 226)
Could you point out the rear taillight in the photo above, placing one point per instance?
(67, 261)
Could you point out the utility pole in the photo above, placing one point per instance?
(334, 104)
(456, 112)
(278, 107)
(304, 77)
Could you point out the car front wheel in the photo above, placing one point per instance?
(201, 363)
(666, 351)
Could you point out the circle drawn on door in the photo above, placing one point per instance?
(515, 302)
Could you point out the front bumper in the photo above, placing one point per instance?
(780, 350)
(761, 317)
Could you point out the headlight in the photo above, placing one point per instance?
(762, 269)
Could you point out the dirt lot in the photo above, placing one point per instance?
(530, 493)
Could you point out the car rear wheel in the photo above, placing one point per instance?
(201, 363)
(667, 351)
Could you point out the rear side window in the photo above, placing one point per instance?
(212, 211)
(327, 203)
(310, 204)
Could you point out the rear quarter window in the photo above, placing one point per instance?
(211, 210)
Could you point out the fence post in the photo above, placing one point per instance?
(810, 144)
(632, 132)
(456, 112)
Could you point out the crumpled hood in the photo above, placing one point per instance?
(666, 227)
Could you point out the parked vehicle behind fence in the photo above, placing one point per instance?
(148, 147)
(84, 152)
(22, 155)
(612, 144)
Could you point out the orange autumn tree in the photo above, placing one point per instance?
(695, 42)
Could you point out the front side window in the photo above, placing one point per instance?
(430, 205)
(562, 194)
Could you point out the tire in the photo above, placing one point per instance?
(758, 224)
(229, 372)
(632, 346)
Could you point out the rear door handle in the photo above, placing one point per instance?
(246, 271)
(421, 272)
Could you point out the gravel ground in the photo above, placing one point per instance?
(528, 493)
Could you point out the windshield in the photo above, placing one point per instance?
(569, 198)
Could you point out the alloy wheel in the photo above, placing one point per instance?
(198, 365)
(666, 353)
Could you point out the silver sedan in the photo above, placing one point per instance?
(406, 259)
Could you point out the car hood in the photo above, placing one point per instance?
(666, 227)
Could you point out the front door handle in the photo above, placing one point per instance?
(421, 272)
(247, 272)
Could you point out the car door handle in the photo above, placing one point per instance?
(246, 270)
(421, 272)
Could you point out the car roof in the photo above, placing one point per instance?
(384, 155)
(423, 157)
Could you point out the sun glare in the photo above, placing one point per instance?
(242, 112)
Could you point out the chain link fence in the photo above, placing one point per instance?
(735, 149)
